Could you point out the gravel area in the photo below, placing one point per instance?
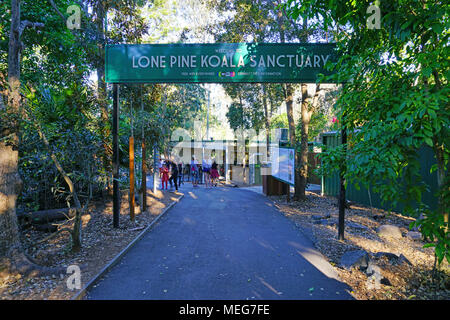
(101, 243)
(317, 217)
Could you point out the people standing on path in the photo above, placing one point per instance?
(180, 173)
(173, 175)
(187, 172)
(165, 176)
(194, 172)
(160, 167)
(214, 174)
(209, 162)
(206, 170)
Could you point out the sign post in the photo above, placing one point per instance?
(115, 133)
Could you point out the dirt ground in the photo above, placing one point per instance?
(101, 243)
(404, 281)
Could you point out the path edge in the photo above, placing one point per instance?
(81, 294)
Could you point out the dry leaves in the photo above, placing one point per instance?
(101, 243)
(317, 218)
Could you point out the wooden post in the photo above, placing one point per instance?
(132, 203)
(341, 226)
(155, 169)
(115, 164)
(288, 192)
(144, 164)
(224, 159)
(144, 178)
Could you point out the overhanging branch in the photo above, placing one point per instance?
(52, 3)
(28, 24)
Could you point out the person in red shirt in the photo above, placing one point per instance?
(165, 176)
(214, 174)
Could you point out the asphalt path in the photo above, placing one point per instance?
(222, 243)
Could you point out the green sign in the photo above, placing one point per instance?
(218, 63)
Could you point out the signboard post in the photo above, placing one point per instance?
(115, 161)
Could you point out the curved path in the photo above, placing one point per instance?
(222, 243)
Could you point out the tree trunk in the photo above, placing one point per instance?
(100, 11)
(302, 164)
(307, 109)
(76, 231)
(267, 118)
(440, 159)
(301, 160)
(289, 100)
(441, 179)
(9, 189)
(341, 200)
(10, 182)
(132, 182)
(12, 257)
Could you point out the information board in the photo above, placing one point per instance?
(283, 164)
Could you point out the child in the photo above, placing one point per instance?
(165, 176)
(160, 167)
(206, 171)
(214, 173)
(194, 172)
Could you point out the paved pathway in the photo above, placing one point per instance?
(222, 243)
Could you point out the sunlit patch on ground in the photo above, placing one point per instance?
(360, 234)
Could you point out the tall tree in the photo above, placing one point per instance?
(265, 21)
(11, 252)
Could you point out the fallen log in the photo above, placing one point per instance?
(46, 216)
(45, 227)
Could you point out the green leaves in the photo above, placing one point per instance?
(435, 231)
(395, 99)
(437, 28)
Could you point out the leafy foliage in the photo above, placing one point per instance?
(394, 100)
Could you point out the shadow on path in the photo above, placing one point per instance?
(222, 243)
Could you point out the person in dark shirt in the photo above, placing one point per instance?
(194, 172)
(173, 175)
(180, 174)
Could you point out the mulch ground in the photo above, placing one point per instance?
(404, 281)
(101, 243)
